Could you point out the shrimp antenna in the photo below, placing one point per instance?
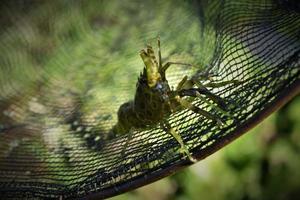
(159, 53)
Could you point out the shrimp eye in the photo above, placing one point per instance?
(158, 86)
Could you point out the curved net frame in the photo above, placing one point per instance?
(67, 67)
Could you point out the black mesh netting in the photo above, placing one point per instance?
(67, 66)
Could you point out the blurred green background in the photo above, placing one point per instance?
(38, 44)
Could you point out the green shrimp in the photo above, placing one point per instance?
(155, 101)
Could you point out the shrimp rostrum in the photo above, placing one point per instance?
(155, 101)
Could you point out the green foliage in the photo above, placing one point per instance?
(78, 50)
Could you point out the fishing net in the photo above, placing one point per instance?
(67, 66)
